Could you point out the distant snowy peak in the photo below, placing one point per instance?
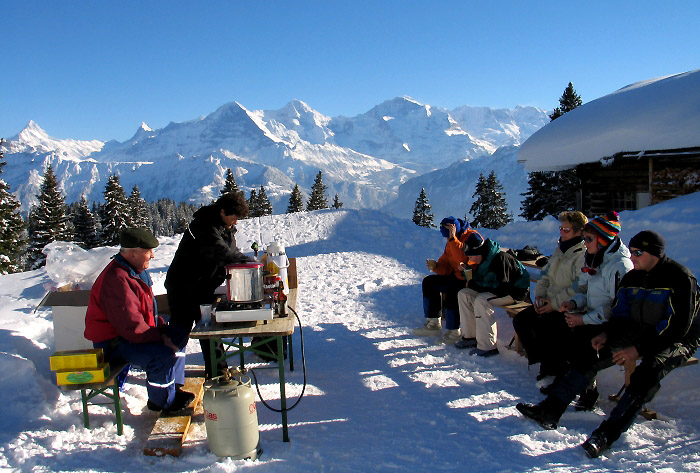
(299, 118)
(399, 107)
(500, 126)
(34, 140)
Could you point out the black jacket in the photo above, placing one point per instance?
(656, 309)
(207, 246)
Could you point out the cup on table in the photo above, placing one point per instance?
(205, 311)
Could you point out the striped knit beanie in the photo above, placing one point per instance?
(606, 228)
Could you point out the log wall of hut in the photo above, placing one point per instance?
(633, 179)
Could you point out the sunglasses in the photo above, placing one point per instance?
(564, 229)
(637, 253)
(589, 239)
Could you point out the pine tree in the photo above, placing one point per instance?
(477, 208)
(115, 212)
(549, 193)
(567, 102)
(422, 212)
(48, 220)
(337, 203)
(85, 225)
(230, 184)
(138, 210)
(12, 241)
(296, 203)
(490, 209)
(264, 205)
(318, 199)
(253, 207)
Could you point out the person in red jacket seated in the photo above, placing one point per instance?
(122, 319)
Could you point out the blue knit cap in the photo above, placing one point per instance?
(460, 225)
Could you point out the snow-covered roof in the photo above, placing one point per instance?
(662, 113)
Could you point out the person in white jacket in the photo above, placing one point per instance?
(537, 325)
(607, 260)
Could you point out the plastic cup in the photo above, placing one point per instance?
(205, 311)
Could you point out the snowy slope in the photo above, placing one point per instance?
(655, 114)
(378, 398)
(450, 190)
(364, 159)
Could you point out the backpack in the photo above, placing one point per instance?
(527, 254)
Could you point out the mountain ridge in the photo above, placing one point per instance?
(363, 158)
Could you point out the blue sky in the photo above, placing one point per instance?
(96, 70)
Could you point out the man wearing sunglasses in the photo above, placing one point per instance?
(655, 319)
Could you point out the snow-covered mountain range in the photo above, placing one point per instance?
(365, 159)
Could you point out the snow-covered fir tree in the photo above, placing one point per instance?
(423, 212)
(264, 205)
(115, 211)
(12, 241)
(139, 216)
(490, 209)
(85, 225)
(568, 101)
(336, 202)
(48, 220)
(253, 207)
(169, 217)
(296, 202)
(318, 199)
(230, 184)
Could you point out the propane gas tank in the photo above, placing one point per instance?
(276, 262)
(231, 417)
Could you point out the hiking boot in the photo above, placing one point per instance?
(465, 343)
(152, 406)
(595, 445)
(537, 413)
(430, 329)
(181, 401)
(484, 353)
(587, 399)
(451, 336)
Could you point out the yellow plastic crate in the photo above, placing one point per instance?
(76, 359)
(86, 376)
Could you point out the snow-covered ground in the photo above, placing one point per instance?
(378, 398)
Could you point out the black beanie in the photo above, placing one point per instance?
(650, 241)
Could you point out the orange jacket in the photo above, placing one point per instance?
(449, 262)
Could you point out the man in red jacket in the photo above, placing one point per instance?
(122, 319)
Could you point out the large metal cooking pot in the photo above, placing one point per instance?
(245, 282)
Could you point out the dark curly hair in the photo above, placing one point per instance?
(233, 203)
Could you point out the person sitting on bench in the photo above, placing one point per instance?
(122, 319)
(447, 280)
(654, 318)
(538, 325)
(498, 280)
(606, 261)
